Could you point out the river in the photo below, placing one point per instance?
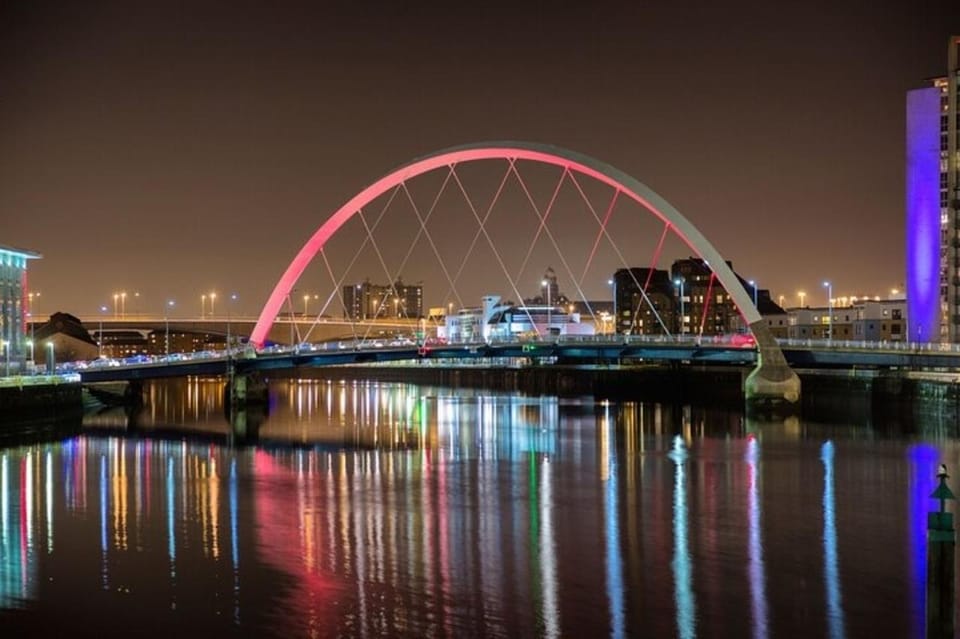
(366, 509)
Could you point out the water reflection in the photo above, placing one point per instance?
(392, 510)
(758, 581)
(830, 560)
(611, 520)
(682, 567)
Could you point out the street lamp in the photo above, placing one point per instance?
(753, 285)
(306, 299)
(233, 298)
(30, 346)
(683, 316)
(103, 309)
(51, 362)
(116, 298)
(546, 285)
(123, 305)
(203, 306)
(802, 295)
(31, 314)
(396, 307)
(780, 301)
(166, 326)
(613, 292)
(829, 287)
(213, 299)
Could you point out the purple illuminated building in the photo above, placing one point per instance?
(933, 207)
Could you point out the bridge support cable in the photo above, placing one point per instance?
(615, 247)
(477, 234)
(294, 326)
(546, 229)
(338, 291)
(706, 305)
(423, 219)
(496, 253)
(369, 238)
(646, 284)
(543, 219)
(656, 256)
(392, 278)
(596, 242)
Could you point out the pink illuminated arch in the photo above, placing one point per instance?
(542, 153)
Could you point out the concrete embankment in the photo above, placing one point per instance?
(906, 400)
(36, 411)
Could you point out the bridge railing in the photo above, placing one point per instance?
(869, 345)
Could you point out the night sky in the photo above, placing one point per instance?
(173, 148)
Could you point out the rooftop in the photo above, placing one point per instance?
(10, 250)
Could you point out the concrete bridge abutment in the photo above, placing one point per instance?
(772, 387)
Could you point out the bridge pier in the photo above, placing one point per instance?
(244, 388)
(772, 387)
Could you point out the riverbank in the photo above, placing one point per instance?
(39, 408)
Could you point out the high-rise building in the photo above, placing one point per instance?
(13, 309)
(375, 301)
(933, 206)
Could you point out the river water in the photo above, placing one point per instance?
(365, 509)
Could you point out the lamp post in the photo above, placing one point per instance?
(753, 285)
(802, 295)
(613, 292)
(306, 300)
(780, 301)
(30, 346)
(116, 299)
(203, 306)
(546, 285)
(6, 354)
(31, 314)
(213, 299)
(683, 316)
(103, 309)
(123, 305)
(51, 361)
(233, 298)
(829, 287)
(396, 307)
(166, 327)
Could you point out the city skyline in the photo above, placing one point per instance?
(171, 155)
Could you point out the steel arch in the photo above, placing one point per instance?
(543, 153)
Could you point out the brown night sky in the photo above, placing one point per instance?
(173, 148)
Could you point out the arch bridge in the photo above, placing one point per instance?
(771, 381)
